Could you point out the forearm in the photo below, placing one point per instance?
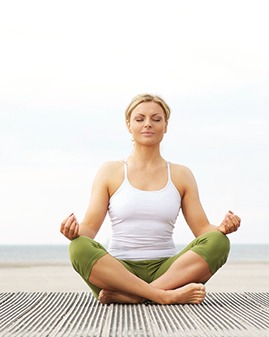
(206, 229)
(229, 225)
(86, 230)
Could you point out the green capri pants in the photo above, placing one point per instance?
(84, 252)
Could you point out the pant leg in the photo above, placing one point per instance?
(83, 253)
(214, 247)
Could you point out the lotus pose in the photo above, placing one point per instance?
(143, 195)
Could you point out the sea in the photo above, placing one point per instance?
(58, 254)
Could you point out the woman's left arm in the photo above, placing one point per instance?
(192, 209)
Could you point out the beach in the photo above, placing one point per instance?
(49, 277)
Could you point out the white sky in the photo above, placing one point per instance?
(68, 69)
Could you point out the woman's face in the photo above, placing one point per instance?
(147, 123)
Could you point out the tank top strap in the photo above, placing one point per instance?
(125, 169)
(168, 170)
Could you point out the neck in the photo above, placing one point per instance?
(146, 155)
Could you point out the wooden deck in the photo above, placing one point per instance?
(79, 314)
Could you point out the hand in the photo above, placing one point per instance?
(230, 223)
(70, 227)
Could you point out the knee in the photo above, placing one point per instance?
(80, 250)
(77, 249)
(219, 247)
(83, 251)
(220, 242)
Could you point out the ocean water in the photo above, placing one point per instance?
(59, 253)
(246, 252)
(34, 253)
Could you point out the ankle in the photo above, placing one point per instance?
(165, 297)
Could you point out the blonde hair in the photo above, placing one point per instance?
(147, 98)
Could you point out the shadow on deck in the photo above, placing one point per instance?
(79, 314)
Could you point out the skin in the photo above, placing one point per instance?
(147, 170)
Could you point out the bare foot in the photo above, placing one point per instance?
(190, 293)
(109, 296)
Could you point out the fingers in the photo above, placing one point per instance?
(74, 224)
(224, 227)
(64, 222)
(70, 227)
(231, 222)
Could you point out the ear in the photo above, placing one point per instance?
(128, 126)
(166, 125)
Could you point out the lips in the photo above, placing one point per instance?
(147, 133)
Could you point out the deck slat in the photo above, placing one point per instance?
(56, 314)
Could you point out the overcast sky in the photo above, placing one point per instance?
(68, 69)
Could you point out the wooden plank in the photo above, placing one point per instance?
(59, 314)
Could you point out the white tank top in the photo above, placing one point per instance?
(143, 221)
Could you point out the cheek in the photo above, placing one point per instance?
(133, 126)
(162, 128)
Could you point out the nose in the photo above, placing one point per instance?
(147, 123)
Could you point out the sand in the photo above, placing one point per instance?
(233, 277)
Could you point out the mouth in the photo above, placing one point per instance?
(147, 133)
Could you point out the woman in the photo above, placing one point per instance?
(143, 196)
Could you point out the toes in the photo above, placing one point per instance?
(202, 287)
(102, 296)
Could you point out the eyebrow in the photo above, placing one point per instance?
(157, 113)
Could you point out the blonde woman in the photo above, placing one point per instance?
(143, 195)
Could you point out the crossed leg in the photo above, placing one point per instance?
(181, 283)
(178, 282)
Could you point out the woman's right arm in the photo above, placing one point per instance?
(96, 211)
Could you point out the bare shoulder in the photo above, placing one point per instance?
(179, 171)
(182, 178)
(111, 174)
(110, 167)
